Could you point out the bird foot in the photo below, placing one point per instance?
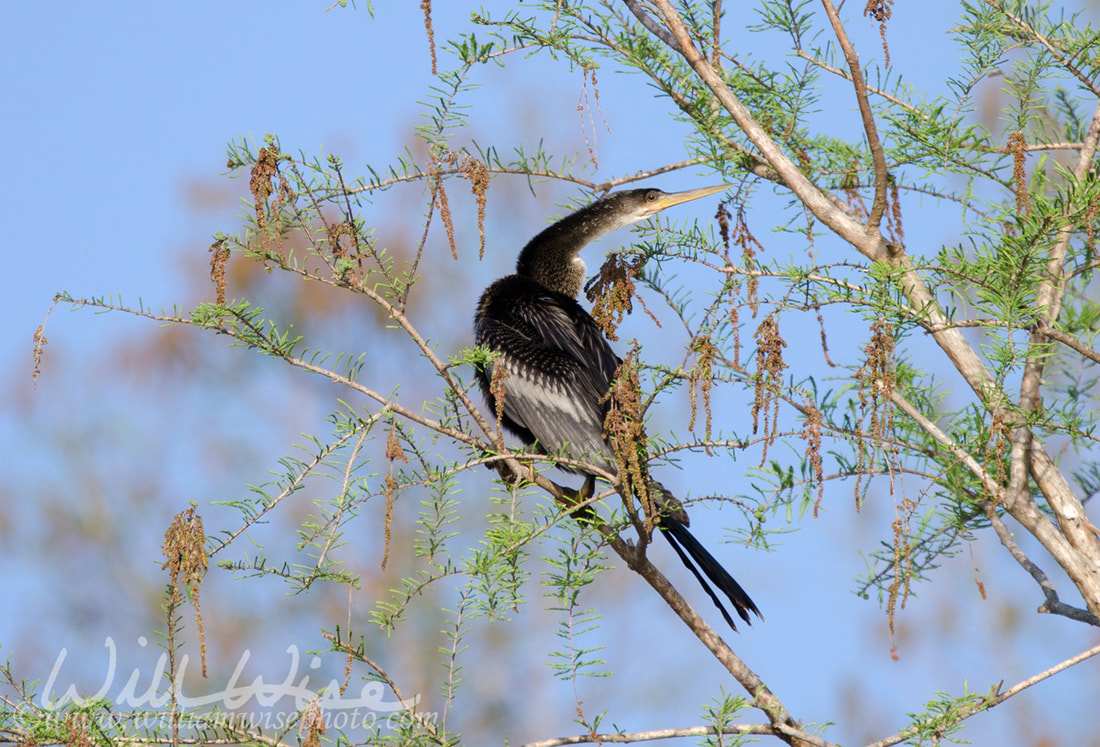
(588, 489)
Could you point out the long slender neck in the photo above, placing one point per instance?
(552, 257)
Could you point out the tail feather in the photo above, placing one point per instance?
(683, 540)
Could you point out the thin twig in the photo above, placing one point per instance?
(1070, 341)
(1052, 604)
(1054, 49)
(690, 731)
(994, 699)
(878, 156)
(964, 456)
(408, 705)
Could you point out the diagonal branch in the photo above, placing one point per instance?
(825, 209)
(929, 426)
(1053, 604)
(878, 207)
(763, 698)
(1078, 550)
(690, 731)
(1052, 48)
(1027, 455)
(1070, 342)
(652, 26)
(994, 699)
(1025, 511)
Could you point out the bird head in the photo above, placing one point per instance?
(634, 205)
(552, 258)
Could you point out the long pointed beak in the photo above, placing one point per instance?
(677, 198)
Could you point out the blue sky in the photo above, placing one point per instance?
(116, 120)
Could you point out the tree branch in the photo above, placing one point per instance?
(652, 26)
(1080, 556)
(690, 731)
(762, 696)
(878, 207)
(994, 699)
(1070, 342)
(1052, 48)
(1053, 604)
(1027, 454)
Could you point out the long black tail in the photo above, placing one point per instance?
(682, 539)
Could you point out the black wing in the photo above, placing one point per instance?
(558, 368)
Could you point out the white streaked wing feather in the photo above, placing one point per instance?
(552, 411)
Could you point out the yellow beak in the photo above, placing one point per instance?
(677, 198)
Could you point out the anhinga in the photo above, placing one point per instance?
(559, 367)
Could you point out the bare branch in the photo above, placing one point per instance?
(652, 26)
(828, 210)
(690, 731)
(964, 456)
(1027, 455)
(1053, 604)
(1070, 341)
(878, 207)
(762, 696)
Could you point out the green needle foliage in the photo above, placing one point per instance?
(970, 403)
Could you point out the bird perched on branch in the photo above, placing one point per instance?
(553, 369)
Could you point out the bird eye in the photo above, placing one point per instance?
(651, 195)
